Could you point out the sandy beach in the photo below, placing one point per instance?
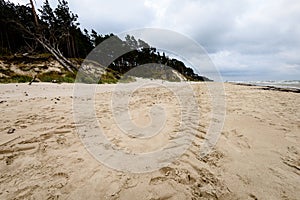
(42, 156)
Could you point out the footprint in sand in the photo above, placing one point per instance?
(180, 176)
(9, 159)
(213, 158)
(238, 140)
(292, 158)
(59, 179)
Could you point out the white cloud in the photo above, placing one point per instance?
(246, 39)
(159, 7)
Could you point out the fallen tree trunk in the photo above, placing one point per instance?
(67, 64)
(56, 53)
(60, 58)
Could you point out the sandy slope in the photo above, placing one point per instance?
(257, 155)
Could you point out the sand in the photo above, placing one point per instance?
(42, 156)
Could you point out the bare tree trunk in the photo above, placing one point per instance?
(8, 43)
(63, 58)
(34, 14)
(32, 80)
(56, 53)
(2, 43)
(59, 58)
(72, 47)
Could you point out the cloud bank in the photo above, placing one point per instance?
(246, 40)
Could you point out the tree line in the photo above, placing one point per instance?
(56, 30)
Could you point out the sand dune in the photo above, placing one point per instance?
(42, 157)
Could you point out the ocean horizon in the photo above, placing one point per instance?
(274, 83)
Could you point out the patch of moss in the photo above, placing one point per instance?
(58, 77)
(16, 79)
(109, 77)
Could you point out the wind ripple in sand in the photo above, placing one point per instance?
(256, 157)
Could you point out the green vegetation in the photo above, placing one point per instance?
(58, 77)
(15, 79)
(33, 59)
(54, 33)
(108, 77)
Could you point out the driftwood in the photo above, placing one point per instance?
(32, 80)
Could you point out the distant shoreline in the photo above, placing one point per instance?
(270, 87)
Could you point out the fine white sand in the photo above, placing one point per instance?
(42, 157)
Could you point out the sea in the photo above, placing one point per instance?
(279, 84)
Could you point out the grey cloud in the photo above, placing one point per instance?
(245, 39)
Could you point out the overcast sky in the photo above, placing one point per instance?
(245, 39)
